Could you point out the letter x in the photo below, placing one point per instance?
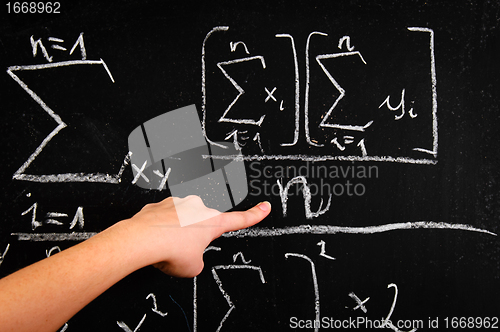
(361, 304)
(270, 94)
(139, 172)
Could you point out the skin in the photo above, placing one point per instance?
(45, 295)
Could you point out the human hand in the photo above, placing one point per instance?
(54, 289)
(159, 240)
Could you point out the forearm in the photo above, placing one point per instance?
(43, 296)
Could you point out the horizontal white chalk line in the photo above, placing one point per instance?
(328, 229)
(38, 237)
(324, 158)
(55, 64)
(267, 232)
(69, 177)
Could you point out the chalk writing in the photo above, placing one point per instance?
(50, 217)
(140, 172)
(401, 107)
(322, 244)
(434, 93)
(240, 254)
(234, 135)
(53, 237)
(297, 91)
(2, 256)
(329, 229)
(360, 304)
(224, 293)
(39, 44)
(155, 307)
(164, 178)
(240, 90)
(327, 119)
(64, 328)
(49, 253)
(195, 291)
(315, 284)
(347, 41)
(233, 45)
(387, 321)
(270, 94)
(127, 329)
(283, 94)
(307, 197)
(257, 138)
(215, 274)
(340, 89)
(21, 174)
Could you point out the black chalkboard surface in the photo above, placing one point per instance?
(370, 126)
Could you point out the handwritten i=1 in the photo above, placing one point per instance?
(34, 7)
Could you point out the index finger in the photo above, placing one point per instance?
(236, 220)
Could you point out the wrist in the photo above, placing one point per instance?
(132, 240)
(120, 243)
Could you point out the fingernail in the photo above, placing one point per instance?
(265, 206)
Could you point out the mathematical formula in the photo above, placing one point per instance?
(335, 120)
(241, 72)
(327, 129)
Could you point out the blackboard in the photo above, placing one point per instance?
(378, 120)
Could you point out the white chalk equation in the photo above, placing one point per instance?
(65, 221)
(318, 322)
(57, 45)
(154, 308)
(351, 300)
(65, 226)
(215, 270)
(251, 95)
(54, 218)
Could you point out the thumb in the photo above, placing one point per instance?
(233, 221)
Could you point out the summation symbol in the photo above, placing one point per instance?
(20, 174)
(215, 274)
(240, 90)
(224, 293)
(338, 129)
(324, 123)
